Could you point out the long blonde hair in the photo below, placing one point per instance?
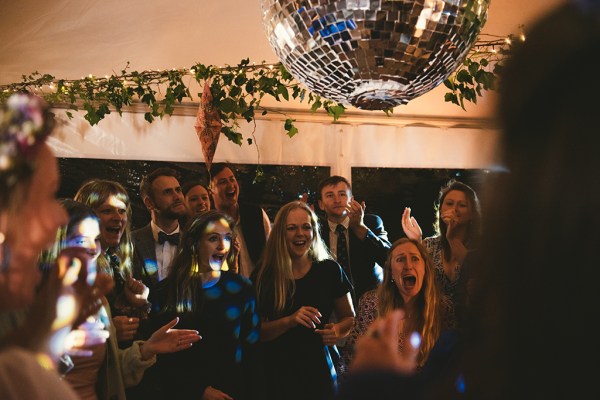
(427, 301)
(274, 280)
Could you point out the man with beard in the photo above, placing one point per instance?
(156, 243)
(252, 224)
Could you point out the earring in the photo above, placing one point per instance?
(4, 253)
(195, 269)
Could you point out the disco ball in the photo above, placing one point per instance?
(372, 54)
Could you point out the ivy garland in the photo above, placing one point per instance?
(237, 90)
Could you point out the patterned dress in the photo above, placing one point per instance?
(447, 287)
(228, 355)
(367, 313)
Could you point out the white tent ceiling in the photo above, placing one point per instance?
(73, 38)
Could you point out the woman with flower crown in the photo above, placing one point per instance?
(29, 218)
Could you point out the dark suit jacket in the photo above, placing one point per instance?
(364, 254)
(251, 218)
(145, 266)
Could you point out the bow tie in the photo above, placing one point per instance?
(173, 238)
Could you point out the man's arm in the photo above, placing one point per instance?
(375, 238)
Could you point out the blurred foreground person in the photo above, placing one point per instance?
(530, 332)
(102, 370)
(29, 218)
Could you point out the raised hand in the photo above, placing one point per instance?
(81, 298)
(356, 213)
(90, 333)
(169, 340)
(458, 249)
(304, 198)
(136, 292)
(378, 349)
(307, 316)
(410, 226)
(233, 258)
(90, 297)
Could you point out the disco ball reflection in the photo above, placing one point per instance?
(372, 54)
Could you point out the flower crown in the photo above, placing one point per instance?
(25, 123)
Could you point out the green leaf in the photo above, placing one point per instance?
(282, 90)
(259, 176)
(285, 75)
(235, 91)
(336, 111)
(316, 105)
(452, 98)
(290, 128)
(464, 76)
(449, 84)
(168, 108)
(91, 116)
(227, 105)
(240, 79)
(232, 135)
(227, 78)
(473, 68)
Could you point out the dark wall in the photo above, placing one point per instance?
(386, 191)
(280, 183)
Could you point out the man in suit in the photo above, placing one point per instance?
(155, 244)
(252, 224)
(360, 243)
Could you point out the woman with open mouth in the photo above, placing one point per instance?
(129, 298)
(221, 306)
(457, 233)
(409, 284)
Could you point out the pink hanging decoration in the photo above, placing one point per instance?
(208, 126)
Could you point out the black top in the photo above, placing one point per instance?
(228, 355)
(297, 363)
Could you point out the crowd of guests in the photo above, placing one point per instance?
(261, 303)
(216, 302)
